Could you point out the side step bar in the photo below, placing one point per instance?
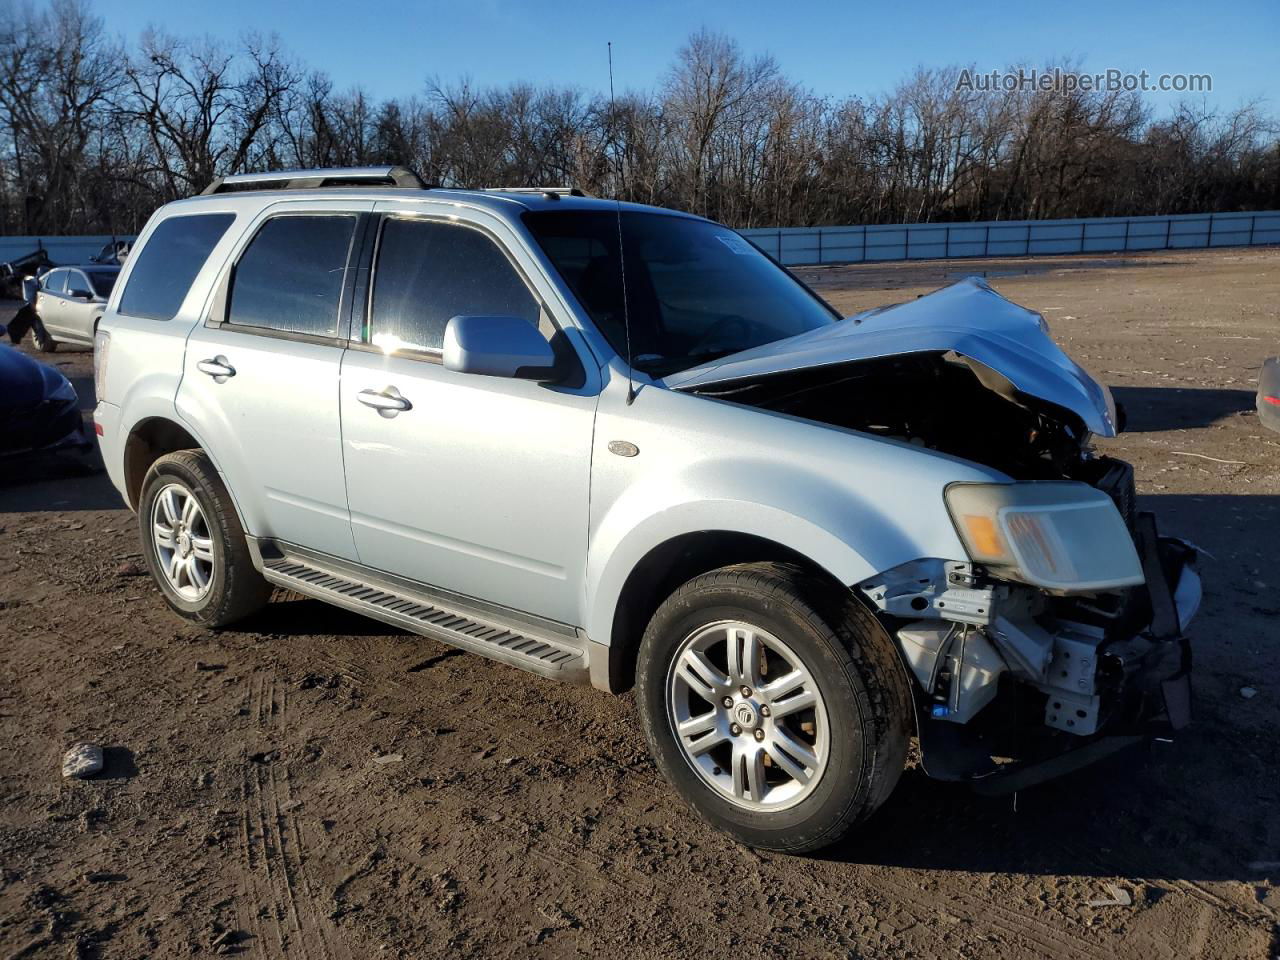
(490, 636)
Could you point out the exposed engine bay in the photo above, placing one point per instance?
(936, 400)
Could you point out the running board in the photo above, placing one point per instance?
(490, 636)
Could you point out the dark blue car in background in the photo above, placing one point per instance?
(39, 409)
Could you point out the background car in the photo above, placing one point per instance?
(69, 304)
(38, 407)
(115, 253)
(32, 264)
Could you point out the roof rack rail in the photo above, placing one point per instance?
(552, 193)
(389, 176)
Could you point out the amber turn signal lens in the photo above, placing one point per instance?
(983, 537)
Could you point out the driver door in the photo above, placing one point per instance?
(479, 485)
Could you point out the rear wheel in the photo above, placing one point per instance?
(194, 544)
(775, 704)
(40, 336)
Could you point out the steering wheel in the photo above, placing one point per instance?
(731, 321)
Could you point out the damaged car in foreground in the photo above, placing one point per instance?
(1068, 604)
(618, 445)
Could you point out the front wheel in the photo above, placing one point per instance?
(775, 704)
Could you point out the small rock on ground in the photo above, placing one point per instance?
(82, 760)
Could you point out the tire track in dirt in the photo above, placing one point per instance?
(284, 904)
(253, 889)
(1196, 891)
(507, 730)
(1047, 940)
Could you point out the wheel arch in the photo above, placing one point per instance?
(668, 565)
(149, 440)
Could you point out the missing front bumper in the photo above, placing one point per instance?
(1013, 743)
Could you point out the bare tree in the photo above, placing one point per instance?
(203, 107)
(94, 139)
(57, 71)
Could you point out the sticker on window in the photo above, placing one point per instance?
(735, 243)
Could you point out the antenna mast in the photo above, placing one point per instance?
(622, 257)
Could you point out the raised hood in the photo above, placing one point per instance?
(1007, 346)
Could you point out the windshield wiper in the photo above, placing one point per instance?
(663, 366)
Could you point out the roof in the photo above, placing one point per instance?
(392, 182)
(499, 202)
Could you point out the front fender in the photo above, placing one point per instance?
(853, 504)
(608, 567)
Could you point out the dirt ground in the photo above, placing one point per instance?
(314, 784)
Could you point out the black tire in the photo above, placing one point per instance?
(236, 589)
(40, 337)
(856, 669)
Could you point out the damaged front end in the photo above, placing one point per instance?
(1060, 638)
(1016, 684)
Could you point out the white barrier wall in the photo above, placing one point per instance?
(806, 246)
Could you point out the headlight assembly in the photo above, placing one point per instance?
(1065, 537)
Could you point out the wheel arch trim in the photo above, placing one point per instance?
(151, 419)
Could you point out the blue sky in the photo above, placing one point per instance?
(836, 49)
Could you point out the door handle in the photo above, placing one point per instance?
(218, 368)
(387, 401)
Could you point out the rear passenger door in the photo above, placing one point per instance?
(261, 372)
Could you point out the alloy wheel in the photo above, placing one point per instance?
(748, 715)
(184, 547)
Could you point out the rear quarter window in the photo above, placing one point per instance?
(167, 264)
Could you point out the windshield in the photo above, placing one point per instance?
(103, 281)
(695, 290)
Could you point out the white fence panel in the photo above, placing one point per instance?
(807, 246)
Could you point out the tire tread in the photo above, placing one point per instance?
(873, 669)
(244, 591)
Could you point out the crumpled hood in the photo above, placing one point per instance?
(1008, 347)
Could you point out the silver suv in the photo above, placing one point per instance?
(617, 445)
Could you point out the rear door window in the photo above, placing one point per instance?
(168, 263)
(290, 277)
(429, 272)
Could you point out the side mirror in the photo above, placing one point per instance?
(80, 294)
(498, 347)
